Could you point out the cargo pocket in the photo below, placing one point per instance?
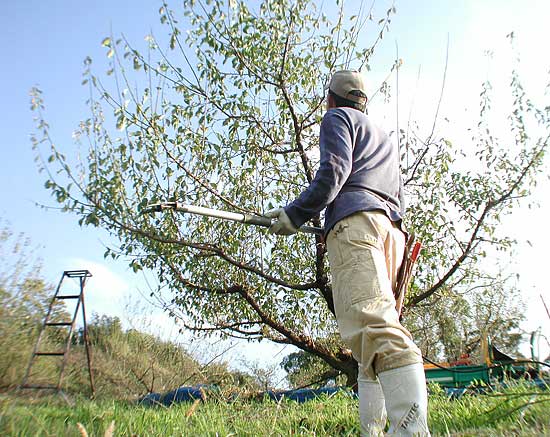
(370, 271)
(365, 281)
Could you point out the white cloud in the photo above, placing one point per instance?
(103, 291)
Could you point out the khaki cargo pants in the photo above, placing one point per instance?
(365, 251)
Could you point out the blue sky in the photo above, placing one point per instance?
(44, 44)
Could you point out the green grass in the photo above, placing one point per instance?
(53, 418)
(505, 413)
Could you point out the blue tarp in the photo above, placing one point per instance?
(186, 394)
(305, 394)
(181, 394)
(190, 394)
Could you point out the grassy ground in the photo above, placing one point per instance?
(519, 411)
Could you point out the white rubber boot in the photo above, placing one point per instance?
(406, 400)
(372, 411)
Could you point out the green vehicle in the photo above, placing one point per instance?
(496, 366)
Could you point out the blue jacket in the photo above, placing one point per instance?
(358, 171)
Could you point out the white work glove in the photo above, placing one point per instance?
(282, 224)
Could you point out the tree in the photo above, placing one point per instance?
(307, 370)
(457, 323)
(235, 127)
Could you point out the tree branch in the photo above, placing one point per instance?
(489, 206)
(305, 343)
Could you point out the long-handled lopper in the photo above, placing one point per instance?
(249, 219)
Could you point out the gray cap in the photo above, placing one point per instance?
(345, 81)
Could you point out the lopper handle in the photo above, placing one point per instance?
(251, 219)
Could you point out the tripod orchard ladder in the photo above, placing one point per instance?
(81, 276)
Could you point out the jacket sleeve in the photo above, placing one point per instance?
(336, 159)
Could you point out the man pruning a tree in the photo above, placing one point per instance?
(359, 183)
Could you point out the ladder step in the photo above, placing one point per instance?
(39, 387)
(59, 323)
(77, 273)
(68, 296)
(50, 354)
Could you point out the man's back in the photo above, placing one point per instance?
(358, 171)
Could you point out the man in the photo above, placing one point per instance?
(359, 183)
